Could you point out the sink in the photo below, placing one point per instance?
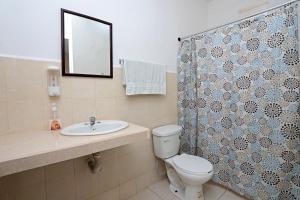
(99, 128)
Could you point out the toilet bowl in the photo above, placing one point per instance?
(186, 173)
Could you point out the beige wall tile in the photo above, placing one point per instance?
(161, 168)
(27, 115)
(60, 181)
(29, 107)
(82, 109)
(109, 175)
(133, 109)
(4, 196)
(146, 179)
(83, 88)
(127, 190)
(110, 87)
(30, 192)
(65, 110)
(29, 177)
(26, 80)
(2, 185)
(66, 87)
(4, 64)
(26, 185)
(3, 117)
(122, 150)
(127, 163)
(106, 108)
(86, 182)
(60, 170)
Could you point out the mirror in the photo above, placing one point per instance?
(86, 46)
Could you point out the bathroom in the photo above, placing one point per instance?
(223, 126)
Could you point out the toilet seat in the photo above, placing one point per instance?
(193, 165)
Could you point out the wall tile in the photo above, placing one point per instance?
(109, 175)
(4, 64)
(27, 185)
(83, 88)
(60, 181)
(145, 158)
(24, 84)
(106, 108)
(65, 110)
(31, 192)
(86, 182)
(27, 115)
(146, 179)
(127, 190)
(2, 185)
(66, 87)
(3, 116)
(23, 179)
(26, 80)
(133, 109)
(110, 87)
(3, 196)
(59, 170)
(82, 109)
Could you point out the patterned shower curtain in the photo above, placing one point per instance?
(238, 100)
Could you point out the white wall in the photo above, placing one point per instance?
(142, 29)
(224, 11)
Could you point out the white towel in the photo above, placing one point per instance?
(144, 78)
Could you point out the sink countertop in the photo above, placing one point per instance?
(21, 151)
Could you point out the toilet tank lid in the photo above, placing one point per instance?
(167, 130)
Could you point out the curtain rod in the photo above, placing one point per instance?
(180, 38)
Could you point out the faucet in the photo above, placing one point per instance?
(92, 121)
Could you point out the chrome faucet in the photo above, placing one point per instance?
(92, 121)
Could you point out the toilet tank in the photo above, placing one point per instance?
(166, 141)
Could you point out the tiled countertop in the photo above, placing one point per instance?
(31, 149)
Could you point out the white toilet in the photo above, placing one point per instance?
(186, 173)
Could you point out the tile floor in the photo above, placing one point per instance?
(160, 191)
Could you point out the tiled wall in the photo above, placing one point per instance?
(24, 104)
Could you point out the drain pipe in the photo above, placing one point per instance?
(94, 162)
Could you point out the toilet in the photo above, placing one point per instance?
(186, 173)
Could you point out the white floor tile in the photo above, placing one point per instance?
(231, 196)
(213, 191)
(145, 195)
(161, 188)
(161, 191)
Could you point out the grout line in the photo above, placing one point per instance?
(45, 183)
(155, 193)
(222, 195)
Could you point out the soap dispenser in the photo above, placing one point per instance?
(53, 81)
(55, 123)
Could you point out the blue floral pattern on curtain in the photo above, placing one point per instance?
(238, 100)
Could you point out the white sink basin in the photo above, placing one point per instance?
(99, 128)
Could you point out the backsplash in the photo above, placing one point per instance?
(25, 104)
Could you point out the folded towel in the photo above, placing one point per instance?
(144, 78)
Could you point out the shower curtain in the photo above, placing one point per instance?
(238, 100)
